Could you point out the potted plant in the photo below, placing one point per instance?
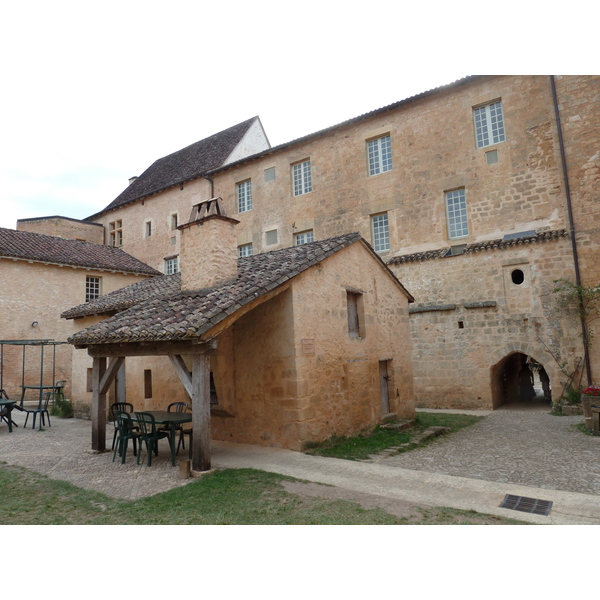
(589, 396)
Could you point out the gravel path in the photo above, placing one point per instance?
(530, 448)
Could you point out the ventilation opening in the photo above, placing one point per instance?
(528, 505)
(517, 276)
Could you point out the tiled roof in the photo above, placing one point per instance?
(56, 250)
(187, 315)
(183, 165)
(127, 297)
(499, 244)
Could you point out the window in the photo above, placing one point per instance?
(147, 383)
(115, 231)
(174, 221)
(245, 250)
(489, 124)
(271, 237)
(92, 288)
(304, 237)
(270, 174)
(491, 157)
(355, 313)
(171, 265)
(380, 155)
(456, 211)
(148, 228)
(244, 196)
(302, 178)
(381, 232)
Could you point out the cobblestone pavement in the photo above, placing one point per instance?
(527, 447)
(531, 449)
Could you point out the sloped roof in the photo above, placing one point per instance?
(61, 251)
(183, 165)
(498, 244)
(185, 315)
(127, 297)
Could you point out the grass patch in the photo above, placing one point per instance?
(230, 497)
(360, 447)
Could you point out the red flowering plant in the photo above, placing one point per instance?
(593, 390)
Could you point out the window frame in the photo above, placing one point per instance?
(93, 288)
(115, 232)
(376, 235)
(488, 124)
(301, 235)
(452, 222)
(244, 195)
(379, 155)
(169, 261)
(242, 253)
(302, 178)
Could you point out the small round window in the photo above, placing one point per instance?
(517, 277)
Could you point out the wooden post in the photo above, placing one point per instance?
(98, 405)
(201, 412)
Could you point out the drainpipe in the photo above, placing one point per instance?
(212, 185)
(584, 334)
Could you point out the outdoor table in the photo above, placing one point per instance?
(172, 419)
(37, 387)
(9, 404)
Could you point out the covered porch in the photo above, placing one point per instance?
(108, 360)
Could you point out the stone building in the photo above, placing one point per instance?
(43, 275)
(466, 192)
(301, 343)
(478, 195)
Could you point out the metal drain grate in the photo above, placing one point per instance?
(529, 505)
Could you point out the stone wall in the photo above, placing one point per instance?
(39, 293)
(64, 227)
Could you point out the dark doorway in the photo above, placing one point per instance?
(519, 381)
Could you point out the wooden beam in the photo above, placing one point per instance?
(184, 375)
(98, 405)
(110, 374)
(150, 348)
(201, 412)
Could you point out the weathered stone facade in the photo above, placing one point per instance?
(516, 187)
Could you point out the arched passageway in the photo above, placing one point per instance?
(520, 381)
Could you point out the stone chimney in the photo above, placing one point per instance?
(208, 255)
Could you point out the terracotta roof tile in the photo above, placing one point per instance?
(56, 250)
(165, 314)
(499, 244)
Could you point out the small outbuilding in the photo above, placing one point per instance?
(282, 349)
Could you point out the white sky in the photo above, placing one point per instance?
(94, 93)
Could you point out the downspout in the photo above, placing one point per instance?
(212, 185)
(584, 334)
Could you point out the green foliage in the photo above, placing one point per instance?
(572, 395)
(360, 447)
(62, 408)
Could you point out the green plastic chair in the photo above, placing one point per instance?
(42, 409)
(59, 390)
(125, 431)
(115, 407)
(149, 434)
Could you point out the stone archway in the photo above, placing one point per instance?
(519, 379)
